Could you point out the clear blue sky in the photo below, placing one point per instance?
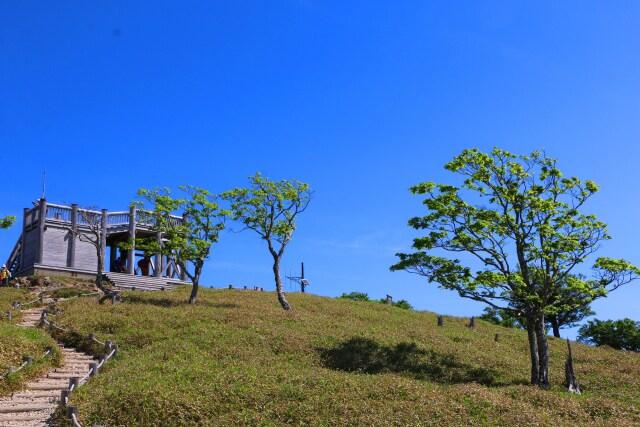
(361, 99)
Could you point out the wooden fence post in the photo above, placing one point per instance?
(440, 320)
(71, 411)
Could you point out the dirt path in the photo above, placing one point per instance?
(33, 406)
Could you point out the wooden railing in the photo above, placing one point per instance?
(65, 213)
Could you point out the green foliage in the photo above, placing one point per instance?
(237, 359)
(403, 304)
(525, 219)
(270, 209)
(7, 221)
(501, 318)
(361, 296)
(355, 296)
(188, 242)
(620, 334)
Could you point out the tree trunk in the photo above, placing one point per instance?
(543, 352)
(100, 270)
(195, 279)
(279, 290)
(533, 350)
(555, 326)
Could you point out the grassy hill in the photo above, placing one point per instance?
(236, 358)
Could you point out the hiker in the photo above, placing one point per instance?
(143, 265)
(120, 264)
(5, 275)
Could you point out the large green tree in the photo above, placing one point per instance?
(189, 241)
(519, 222)
(270, 208)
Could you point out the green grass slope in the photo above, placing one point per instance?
(236, 358)
(17, 342)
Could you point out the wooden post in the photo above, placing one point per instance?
(472, 322)
(131, 256)
(23, 237)
(570, 375)
(112, 257)
(41, 223)
(183, 274)
(64, 395)
(158, 257)
(71, 411)
(103, 238)
(28, 359)
(75, 382)
(440, 320)
(71, 262)
(94, 367)
(495, 339)
(9, 315)
(389, 300)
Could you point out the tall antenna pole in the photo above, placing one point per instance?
(302, 281)
(44, 183)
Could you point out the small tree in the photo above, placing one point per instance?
(270, 208)
(7, 221)
(520, 219)
(92, 225)
(188, 242)
(620, 334)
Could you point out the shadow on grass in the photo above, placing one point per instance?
(364, 355)
(167, 302)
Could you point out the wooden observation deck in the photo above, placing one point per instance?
(52, 242)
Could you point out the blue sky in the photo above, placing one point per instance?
(360, 99)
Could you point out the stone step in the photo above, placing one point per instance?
(15, 418)
(24, 408)
(26, 400)
(36, 395)
(65, 375)
(61, 386)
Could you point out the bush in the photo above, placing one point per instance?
(620, 334)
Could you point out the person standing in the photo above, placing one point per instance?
(5, 275)
(143, 265)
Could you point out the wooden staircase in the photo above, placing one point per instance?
(33, 406)
(143, 283)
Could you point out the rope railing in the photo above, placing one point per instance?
(26, 360)
(75, 382)
(17, 304)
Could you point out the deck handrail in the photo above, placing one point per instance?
(63, 213)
